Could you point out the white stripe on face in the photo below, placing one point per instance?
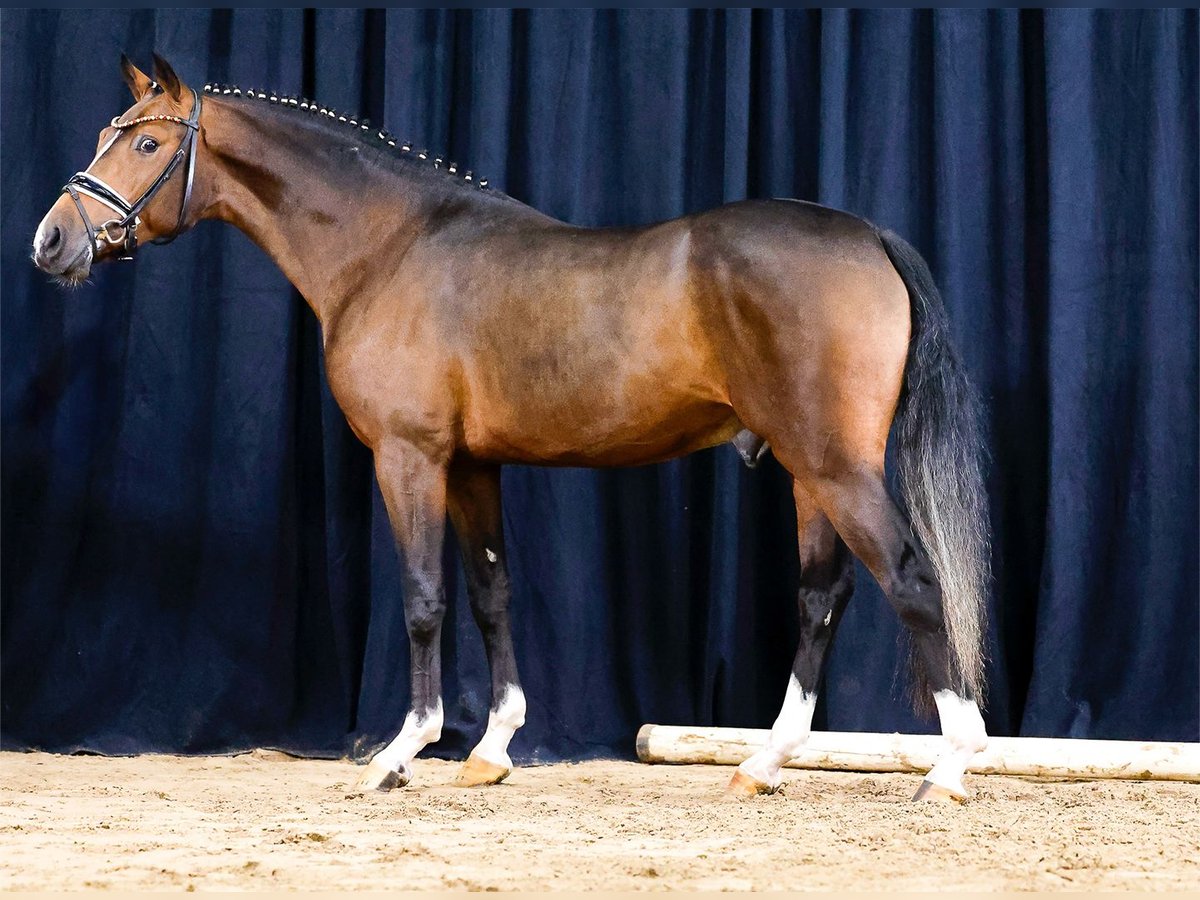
(503, 722)
(789, 734)
(99, 153)
(39, 239)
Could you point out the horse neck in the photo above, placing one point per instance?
(305, 195)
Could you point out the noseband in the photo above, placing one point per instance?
(122, 230)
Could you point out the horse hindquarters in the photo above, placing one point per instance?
(840, 398)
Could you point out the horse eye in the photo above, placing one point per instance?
(147, 145)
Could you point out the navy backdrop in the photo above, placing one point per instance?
(195, 555)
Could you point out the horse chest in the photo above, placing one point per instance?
(391, 387)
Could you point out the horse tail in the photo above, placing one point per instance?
(941, 455)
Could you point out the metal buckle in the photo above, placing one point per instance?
(102, 233)
(119, 240)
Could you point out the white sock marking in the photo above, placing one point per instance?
(789, 734)
(965, 734)
(420, 728)
(503, 722)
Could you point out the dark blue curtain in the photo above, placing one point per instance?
(196, 557)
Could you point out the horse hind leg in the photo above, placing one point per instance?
(858, 504)
(826, 583)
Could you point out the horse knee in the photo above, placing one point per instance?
(491, 612)
(491, 623)
(424, 623)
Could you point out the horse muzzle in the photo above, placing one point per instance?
(61, 246)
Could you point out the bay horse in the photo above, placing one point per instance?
(464, 330)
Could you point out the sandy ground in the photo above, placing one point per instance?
(265, 820)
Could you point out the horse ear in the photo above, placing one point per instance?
(139, 82)
(166, 78)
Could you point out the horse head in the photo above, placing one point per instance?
(131, 191)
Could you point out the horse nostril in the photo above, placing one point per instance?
(53, 238)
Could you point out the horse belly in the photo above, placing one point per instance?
(617, 422)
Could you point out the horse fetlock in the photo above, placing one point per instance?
(972, 743)
(503, 721)
(429, 729)
(421, 727)
(510, 711)
(962, 724)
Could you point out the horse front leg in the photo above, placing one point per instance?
(414, 491)
(475, 512)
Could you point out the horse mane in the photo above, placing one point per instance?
(357, 125)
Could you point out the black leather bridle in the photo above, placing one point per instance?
(122, 231)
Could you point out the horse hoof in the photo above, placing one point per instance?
(477, 771)
(936, 792)
(379, 777)
(743, 786)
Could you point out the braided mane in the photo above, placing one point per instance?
(362, 126)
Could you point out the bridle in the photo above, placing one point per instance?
(122, 231)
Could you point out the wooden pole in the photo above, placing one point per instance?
(864, 752)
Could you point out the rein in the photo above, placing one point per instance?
(122, 231)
